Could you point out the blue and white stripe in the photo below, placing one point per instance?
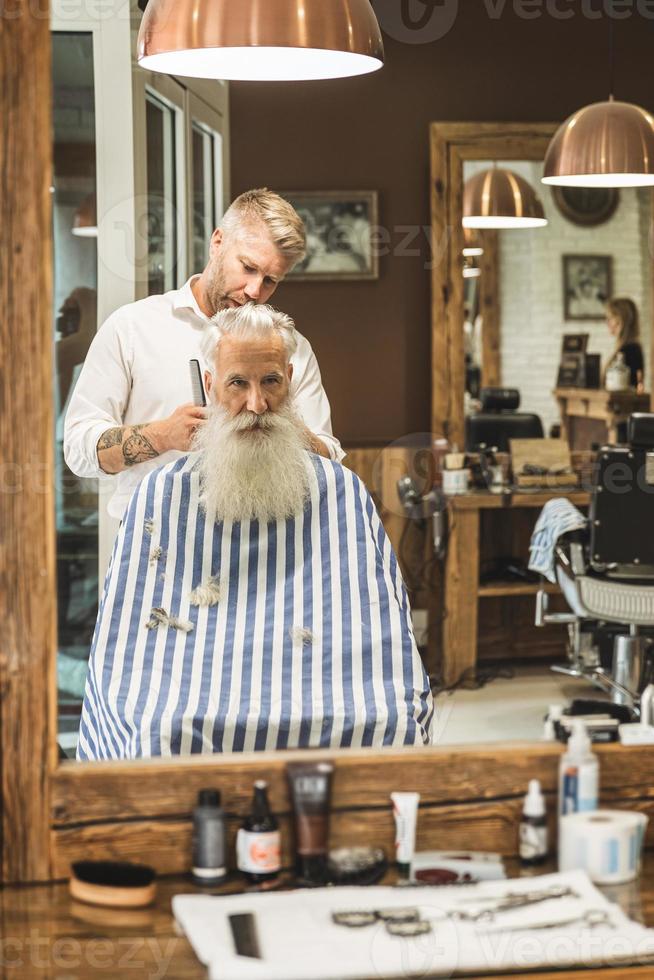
(245, 678)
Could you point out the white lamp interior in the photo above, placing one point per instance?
(601, 180)
(262, 64)
(502, 221)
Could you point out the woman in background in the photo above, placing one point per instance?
(622, 321)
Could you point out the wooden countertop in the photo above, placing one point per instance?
(47, 934)
(619, 398)
(485, 500)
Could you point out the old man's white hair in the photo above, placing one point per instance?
(263, 476)
(251, 320)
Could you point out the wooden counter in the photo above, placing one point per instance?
(468, 541)
(47, 934)
(591, 415)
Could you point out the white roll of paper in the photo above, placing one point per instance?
(607, 844)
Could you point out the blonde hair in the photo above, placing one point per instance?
(283, 223)
(627, 313)
(249, 321)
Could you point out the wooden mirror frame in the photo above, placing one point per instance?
(54, 813)
(451, 144)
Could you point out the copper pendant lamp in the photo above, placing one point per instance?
(606, 144)
(500, 198)
(260, 40)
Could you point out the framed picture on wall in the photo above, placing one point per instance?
(340, 227)
(587, 285)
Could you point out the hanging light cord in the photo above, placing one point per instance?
(611, 60)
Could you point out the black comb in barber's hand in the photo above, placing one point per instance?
(199, 397)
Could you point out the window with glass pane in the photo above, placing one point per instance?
(75, 321)
(162, 195)
(205, 212)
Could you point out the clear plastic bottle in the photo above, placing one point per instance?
(578, 773)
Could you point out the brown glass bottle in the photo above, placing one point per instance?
(258, 842)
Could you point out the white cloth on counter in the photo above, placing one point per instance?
(557, 517)
(299, 941)
(137, 370)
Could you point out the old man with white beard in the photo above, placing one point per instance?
(253, 600)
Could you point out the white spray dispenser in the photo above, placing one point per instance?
(578, 773)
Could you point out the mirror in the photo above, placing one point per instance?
(75, 282)
(211, 637)
(504, 300)
(509, 321)
(552, 281)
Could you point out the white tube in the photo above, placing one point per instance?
(405, 811)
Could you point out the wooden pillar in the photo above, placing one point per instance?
(489, 307)
(27, 537)
(461, 588)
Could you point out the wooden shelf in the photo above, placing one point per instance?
(484, 500)
(498, 589)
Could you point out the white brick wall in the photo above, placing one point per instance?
(531, 288)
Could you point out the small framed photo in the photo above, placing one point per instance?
(587, 285)
(340, 226)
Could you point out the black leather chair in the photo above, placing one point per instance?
(499, 421)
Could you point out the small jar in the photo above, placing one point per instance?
(618, 375)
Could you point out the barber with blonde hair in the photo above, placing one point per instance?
(130, 410)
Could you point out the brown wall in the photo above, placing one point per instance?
(372, 339)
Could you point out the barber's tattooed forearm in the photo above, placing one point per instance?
(137, 447)
(134, 444)
(109, 439)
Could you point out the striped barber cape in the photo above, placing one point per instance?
(219, 637)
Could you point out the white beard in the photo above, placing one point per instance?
(253, 467)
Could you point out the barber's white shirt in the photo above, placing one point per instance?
(137, 371)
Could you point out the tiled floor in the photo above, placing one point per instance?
(505, 709)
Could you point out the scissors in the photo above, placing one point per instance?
(511, 901)
(591, 918)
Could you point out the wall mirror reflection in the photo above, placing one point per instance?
(588, 271)
(549, 328)
(248, 597)
(271, 627)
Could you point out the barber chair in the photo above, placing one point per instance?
(499, 421)
(606, 574)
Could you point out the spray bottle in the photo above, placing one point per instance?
(578, 773)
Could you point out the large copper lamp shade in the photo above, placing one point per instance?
(499, 198)
(260, 40)
(607, 144)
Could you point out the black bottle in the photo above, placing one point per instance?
(258, 842)
(209, 866)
